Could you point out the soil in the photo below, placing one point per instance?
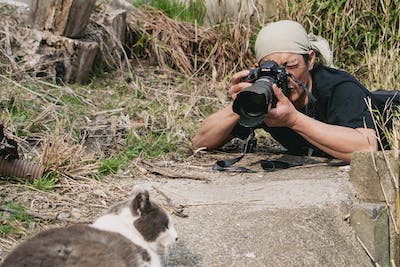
(77, 201)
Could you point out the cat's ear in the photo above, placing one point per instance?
(141, 203)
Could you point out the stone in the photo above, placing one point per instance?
(370, 175)
(371, 223)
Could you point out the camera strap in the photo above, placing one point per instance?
(311, 97)
(268, 165)
(225, 165)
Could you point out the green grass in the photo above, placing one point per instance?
(111, 165)
(16, 221)
(153, 145)
(46, 183)
(193, 11)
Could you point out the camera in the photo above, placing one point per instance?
(252, 103)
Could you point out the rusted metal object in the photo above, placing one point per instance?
(11, 165)
(21, 168)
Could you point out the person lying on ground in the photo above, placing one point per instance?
(323, 113)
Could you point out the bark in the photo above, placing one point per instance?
(47, 55)
(62, 17)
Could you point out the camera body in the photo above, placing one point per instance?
(252, 103)
(269, 69)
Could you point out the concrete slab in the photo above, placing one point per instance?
(292, 217)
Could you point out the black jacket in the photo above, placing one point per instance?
(340, 100)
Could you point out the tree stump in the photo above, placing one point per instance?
(62, 17)
(61, 40)
(47, 55)
(108, 29)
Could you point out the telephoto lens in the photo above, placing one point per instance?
(253, 102)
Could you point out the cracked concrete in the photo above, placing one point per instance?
(293, 217)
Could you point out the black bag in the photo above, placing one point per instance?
(385, 99)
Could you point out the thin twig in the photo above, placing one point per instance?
(30, 213)
(170, 174)
(178, 211)
(367, 251)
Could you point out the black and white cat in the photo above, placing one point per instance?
(132, 233)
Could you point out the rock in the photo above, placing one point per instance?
(370, 182)
(63, 216)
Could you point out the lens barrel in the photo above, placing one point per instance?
(252, 103)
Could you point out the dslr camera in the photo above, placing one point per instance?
(253, 102)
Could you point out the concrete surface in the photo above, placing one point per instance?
(371, 223)
(293, 217)
(370, 177)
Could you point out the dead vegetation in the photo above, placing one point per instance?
(150, 95)
(190, 48)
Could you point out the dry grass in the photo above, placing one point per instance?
(190, 48)
(71, 128)
(382, 67)
(364, 35)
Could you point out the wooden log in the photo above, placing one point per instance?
(55, 57)
(78, 18)
(62, 17)
(108, 28)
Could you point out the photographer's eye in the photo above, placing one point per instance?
(292, 66)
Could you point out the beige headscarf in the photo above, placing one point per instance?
(290, 36)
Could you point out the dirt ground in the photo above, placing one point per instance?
(83, 200)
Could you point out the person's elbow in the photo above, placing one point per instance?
(201, 141)
(209, 142)
(370, 144)
(197, 142)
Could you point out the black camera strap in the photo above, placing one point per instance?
(225, 165)
(251, 143)
(311, 97)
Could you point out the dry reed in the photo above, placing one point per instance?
(190, 48)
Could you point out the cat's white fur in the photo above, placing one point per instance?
(123, 223)
(156, 224)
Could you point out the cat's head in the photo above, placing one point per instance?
(152, 221)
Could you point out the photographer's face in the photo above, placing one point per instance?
(295, 65)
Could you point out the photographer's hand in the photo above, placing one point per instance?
(284, 114)
(237, 84)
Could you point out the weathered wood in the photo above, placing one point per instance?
(51, 56)
(240, 11)
(78, 18)
(51, 46)
(61, 17)
(108, 28)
